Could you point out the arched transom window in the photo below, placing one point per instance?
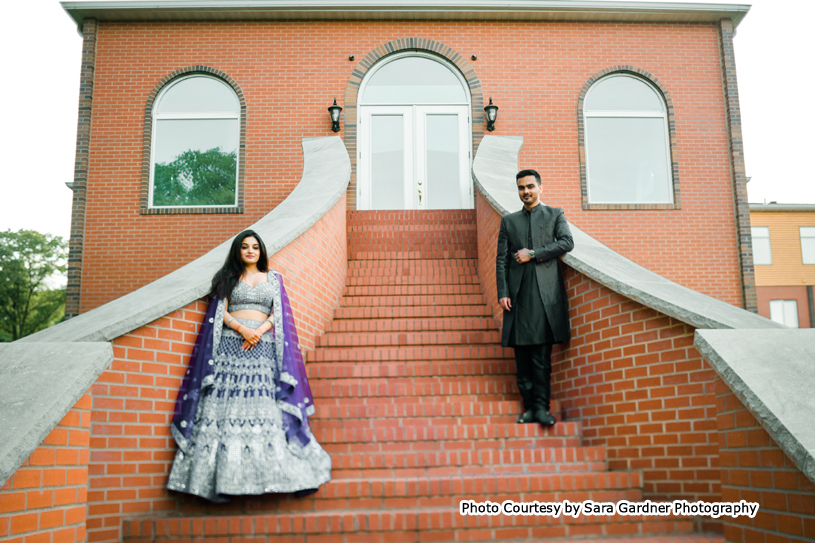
(628, 159)
(414, 80)
(414, 135)
(196, 133)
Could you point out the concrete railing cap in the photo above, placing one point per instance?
(771, 374)
(40, 383)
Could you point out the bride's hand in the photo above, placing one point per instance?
(251, 336)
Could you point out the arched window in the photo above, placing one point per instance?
(194, 151)
(414, 135)
(628, 158)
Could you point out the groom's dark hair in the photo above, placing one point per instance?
(524, 173)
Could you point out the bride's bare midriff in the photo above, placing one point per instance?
(250, 314)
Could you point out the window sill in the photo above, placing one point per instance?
(191, 210)
(630, 207)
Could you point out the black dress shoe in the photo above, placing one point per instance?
(545, 418)
(527, 417)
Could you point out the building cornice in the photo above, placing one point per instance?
(782, 207)
(486, 10)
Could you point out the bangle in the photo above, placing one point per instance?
(230, 320)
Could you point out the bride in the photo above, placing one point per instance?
(241, 417)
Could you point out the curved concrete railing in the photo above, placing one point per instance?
(494, 169)
(326, 165)
(43, 375)
(771, 374)
(39, 384)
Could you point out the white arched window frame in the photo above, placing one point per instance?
(420, 117)
(161, 138)
(624, 173)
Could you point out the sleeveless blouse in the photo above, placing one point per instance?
(259, 298)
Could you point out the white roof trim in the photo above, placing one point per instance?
(782, 207)
(515, 10)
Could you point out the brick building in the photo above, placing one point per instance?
(277, 69)
(200, 118)
(784, 244)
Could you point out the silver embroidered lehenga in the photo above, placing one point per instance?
(248, 433)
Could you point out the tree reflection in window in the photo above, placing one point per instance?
(195, 141)
(196, 178)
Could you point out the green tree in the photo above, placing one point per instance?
(28, 259)
(196, 178)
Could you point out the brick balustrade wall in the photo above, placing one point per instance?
(131, 445)
(489, 222)
(270, 59)
(44, 501)
(755, 469)
(640, 388)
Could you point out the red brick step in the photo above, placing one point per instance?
(467, 462)
(564, 434)
(417, 253)
(413, 368)
(386, 339)
(429, 300)
(412, 290)
(410, 312)
(413, 325)
(403, 387)
(381, 354)
(409, 280)
(349, 409)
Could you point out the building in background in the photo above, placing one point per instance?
(784, 259)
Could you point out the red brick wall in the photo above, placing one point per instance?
(133, 401)
(640, 388)
(44, 501)
(755, 469)
(489, 222)
(284, 67)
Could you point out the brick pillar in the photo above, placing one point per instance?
(83, 139)
(742, 208)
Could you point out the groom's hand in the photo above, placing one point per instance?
(505, 304)
(522, 256)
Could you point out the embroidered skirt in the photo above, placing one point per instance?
(238, 444)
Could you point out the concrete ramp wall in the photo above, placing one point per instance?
(49, 478)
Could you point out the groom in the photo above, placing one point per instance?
(531, 293)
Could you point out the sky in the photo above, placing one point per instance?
(773, 62)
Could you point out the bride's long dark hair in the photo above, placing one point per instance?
(230, 273)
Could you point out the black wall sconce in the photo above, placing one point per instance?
(491, 112)
(335, 111)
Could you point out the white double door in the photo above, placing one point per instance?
(414, 157)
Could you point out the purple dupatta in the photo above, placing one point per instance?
(293, 391)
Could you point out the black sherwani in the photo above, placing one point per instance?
(539, 313)
(551, 238)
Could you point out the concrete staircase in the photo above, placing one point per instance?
(416, 403)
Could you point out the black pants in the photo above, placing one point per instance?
(533, 365)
